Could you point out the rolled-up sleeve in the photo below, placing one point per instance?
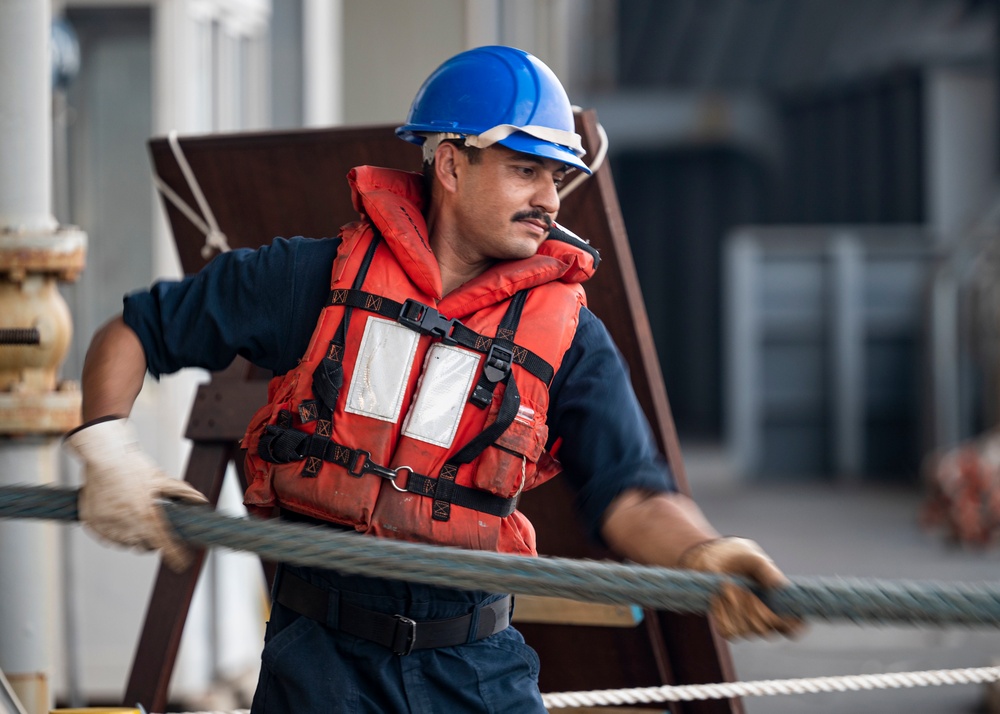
(607, 446)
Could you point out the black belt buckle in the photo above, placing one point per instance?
(406, 630)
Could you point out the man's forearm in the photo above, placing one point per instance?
(113, 371)
(654, 529)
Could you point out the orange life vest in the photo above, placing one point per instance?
(413, 415)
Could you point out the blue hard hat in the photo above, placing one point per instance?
(502, 94)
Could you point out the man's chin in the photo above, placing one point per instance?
(527, 249)
(520, 252)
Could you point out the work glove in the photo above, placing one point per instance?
(736, 610)
(122, 484)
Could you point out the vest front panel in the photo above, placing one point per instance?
(404, 400)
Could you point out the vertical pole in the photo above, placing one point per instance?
(848, 339)
(745, 418)
(34, 409)
(25, 204)
(25, 116)
(27, 565)
(323, 62)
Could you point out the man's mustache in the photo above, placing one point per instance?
(537, 215)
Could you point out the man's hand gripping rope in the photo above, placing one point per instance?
(121, 489)
(737, 611)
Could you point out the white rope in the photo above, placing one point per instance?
(761, 688)
(181, 205)
(215, 239)
(770, 687)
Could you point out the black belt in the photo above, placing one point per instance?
(400, 634)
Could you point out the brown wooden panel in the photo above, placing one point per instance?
(563, 611)
(223, 408)
(262, 185)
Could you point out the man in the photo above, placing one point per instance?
(432, 362)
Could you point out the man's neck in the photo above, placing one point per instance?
(456, 269)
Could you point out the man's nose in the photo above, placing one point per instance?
(547, 197)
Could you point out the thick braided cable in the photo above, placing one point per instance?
(770, 687)
(856, 600)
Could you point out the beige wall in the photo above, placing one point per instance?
(390, 47)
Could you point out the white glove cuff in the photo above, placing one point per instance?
(111, 440)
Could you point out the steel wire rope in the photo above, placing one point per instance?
(829, 598)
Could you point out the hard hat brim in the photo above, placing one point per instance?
(527, 144)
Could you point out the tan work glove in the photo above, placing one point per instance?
(122, 485)
(736, 610)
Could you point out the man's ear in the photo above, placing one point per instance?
(446, 160)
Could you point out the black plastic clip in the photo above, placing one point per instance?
(361, 463)
(497, 364)
(427, 321)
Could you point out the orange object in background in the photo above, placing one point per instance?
(964, 492)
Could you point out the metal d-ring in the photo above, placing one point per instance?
(395, 473)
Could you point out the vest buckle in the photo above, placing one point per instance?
(497, 364)
(427, 321)
(361, 463)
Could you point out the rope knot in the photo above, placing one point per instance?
(214, 240)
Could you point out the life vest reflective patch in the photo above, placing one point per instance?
(441, 394)
(384, 363)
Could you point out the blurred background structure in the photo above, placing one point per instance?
(810, 191)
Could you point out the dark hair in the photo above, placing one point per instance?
(474, 154)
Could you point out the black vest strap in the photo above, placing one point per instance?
(498, 360)
(428, 321)
(474, 498)
(282, 445)
(328, 377)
